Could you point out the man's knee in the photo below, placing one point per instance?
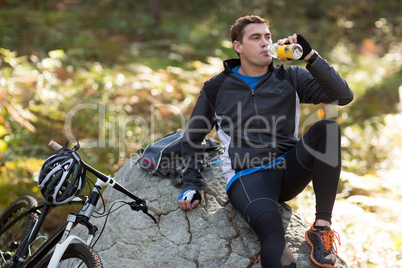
(260, 207)
(323, 142)
(324, 131)
(267, 224)
(323, 126)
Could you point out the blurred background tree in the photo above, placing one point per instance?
(119, 74)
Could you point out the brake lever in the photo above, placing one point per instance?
(141, 205)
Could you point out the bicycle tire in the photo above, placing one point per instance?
(75, 255)
(13, 240)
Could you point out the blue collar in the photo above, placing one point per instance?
(250, 80)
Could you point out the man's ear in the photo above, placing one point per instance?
(238, 47)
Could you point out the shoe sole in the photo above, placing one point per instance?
(311, 255)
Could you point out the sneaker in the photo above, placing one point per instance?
(322, 241)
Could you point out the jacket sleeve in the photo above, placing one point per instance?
(323, 84)
(201, 122)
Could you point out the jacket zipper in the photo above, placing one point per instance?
(253, 98)
(254, 102)
(257, 113)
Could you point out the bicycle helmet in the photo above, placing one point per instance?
(62, 176)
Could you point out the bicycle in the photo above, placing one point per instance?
(21, 221)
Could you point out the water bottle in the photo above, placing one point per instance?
(291, 51)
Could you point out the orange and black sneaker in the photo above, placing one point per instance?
(322, 241)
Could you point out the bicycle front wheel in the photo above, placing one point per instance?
(76, 255)
(16, 227)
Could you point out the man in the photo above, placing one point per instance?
(254, 106)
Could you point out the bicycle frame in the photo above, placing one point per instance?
(63, 237)
(42, 210)
(45, 248)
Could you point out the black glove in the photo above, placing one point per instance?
(304, 44)
(191, 195)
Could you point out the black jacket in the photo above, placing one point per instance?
(256, 125)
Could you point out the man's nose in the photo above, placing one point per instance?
(265, 43)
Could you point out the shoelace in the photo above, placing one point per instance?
(328, 239)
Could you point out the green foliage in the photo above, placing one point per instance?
(366, 122)
(87, 27)
(116, 76)
(112, 111)
(18, 178)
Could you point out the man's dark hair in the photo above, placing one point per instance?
(236, 31)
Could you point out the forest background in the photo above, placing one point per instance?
(118, 75)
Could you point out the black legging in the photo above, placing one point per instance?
(316, 157)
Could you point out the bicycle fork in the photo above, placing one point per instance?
(82, 218)
(66, 240)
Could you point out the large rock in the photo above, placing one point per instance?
(212, 235)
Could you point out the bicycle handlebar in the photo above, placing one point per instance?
(55, 145)
(116, 185)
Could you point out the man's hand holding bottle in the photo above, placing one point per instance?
(293, 47)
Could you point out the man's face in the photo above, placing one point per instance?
(256, 37)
